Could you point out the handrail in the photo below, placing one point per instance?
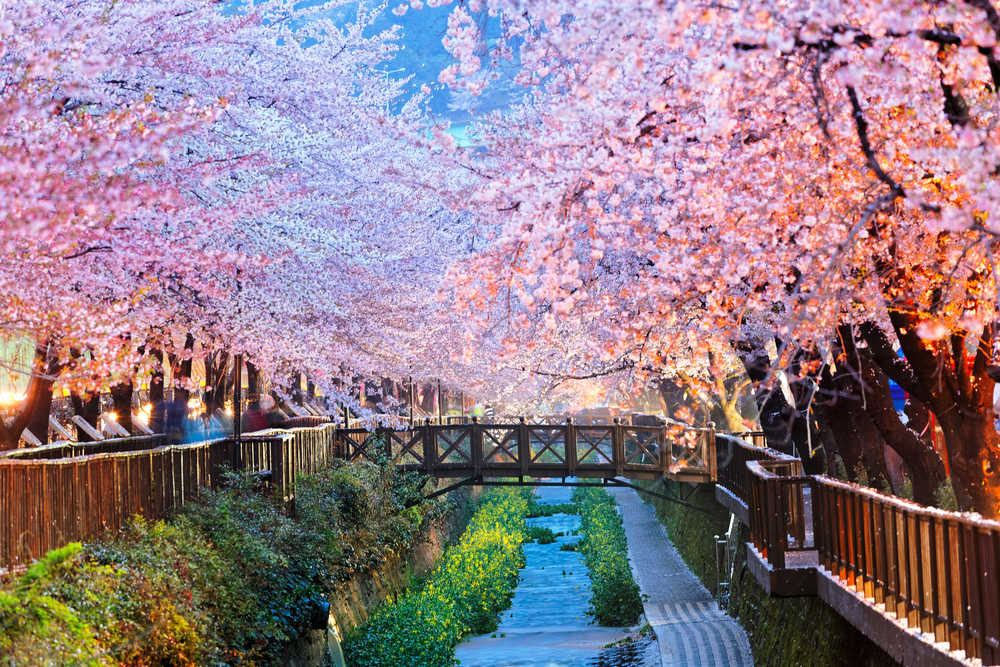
(732, 464)
(58, 449)
(537, 449)
(938, 571)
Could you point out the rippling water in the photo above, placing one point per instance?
(547, 624)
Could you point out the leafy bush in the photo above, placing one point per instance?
(229, 580)
(474, 581)
(537, 509)
(541, 535)
(38, 628)
(615, 595)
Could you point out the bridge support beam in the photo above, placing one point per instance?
(532, 482)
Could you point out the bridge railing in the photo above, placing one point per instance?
(939, 571)
(538, 450)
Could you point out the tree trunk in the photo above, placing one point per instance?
(90, 409)
(959, 392)
(253, 382)
(974, 459)
(34, 410)
(121, 397)
(41, 408)
(785, 426)
(857, 440)
(156, 387)
(182, 371)
(866, 386)
(732, 416)
(218, 381)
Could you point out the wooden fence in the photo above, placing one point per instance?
(778, 500)
(939, 571)
(46, 502)
(733, 454)
(934, 571)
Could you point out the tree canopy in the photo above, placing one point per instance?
(805, 192)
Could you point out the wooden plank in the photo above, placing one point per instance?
(989, 555)
(84, 426)
(30, 438)
(113, 425)
(61, 430)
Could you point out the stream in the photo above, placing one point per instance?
(547, 624)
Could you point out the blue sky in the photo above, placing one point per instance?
(423, 56)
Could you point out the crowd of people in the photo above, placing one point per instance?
(172, 417)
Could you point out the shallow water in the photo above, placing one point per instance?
(547, 624)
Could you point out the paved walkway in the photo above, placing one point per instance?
(690, 627)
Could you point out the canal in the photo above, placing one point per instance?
(547, 624)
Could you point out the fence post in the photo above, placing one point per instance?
(570, 445)
(775, 522)
(712, 453)
(618, 446)
(277, 446)
(430, 451)
(523, 445)
(476, 445)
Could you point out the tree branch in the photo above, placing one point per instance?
(81, 253)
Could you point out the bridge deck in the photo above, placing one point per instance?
(477, 451)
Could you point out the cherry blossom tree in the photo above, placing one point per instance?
(791, 171)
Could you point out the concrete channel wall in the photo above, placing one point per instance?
(356, 599)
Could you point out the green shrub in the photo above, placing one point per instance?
(541, 535)
(615, 595)
(537, 509)
(944, 496)
(474, 581)
(36, 627)
(229, 580)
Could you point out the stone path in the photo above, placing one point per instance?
(690, 627)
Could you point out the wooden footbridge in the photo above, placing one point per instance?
(521, 449)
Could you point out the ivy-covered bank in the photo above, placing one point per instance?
(782, 631)
(472, 584)
(231, 579)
